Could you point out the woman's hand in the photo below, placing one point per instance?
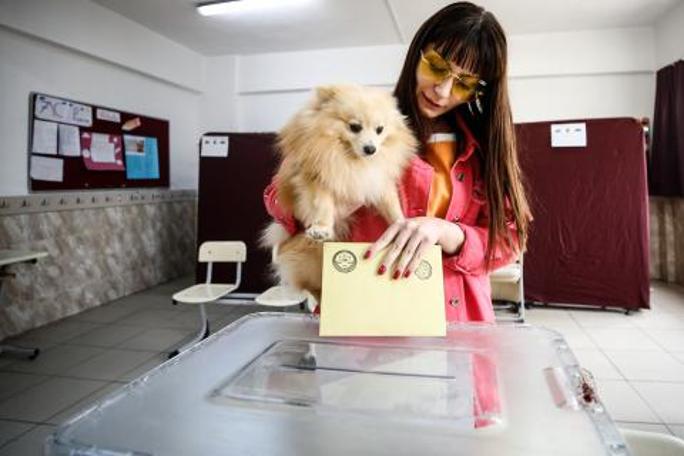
(409, 239)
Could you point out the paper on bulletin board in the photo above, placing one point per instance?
(142, 157)
(569, 135)
(44, 138)
(65, 111)
(101, 151)
(356, 301)
(69, 141)
(46, 169)
(108, 115)
(131, 124)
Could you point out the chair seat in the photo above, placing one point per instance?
(647, 443)
(509, 273)
(203, 293)
(281, 296)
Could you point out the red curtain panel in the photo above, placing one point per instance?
(666, 165)
(589, 239)
(230, 206)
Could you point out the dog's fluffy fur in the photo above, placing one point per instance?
(330, 167)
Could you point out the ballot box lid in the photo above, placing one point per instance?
(269, 385)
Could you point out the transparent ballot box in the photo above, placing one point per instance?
(269, 385)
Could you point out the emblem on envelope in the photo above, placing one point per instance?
(344, 261)
(356, 301)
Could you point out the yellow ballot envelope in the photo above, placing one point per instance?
(356, 301)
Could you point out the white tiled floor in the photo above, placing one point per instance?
(86, 356)
(637, 360)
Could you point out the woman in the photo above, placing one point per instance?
(463, 192)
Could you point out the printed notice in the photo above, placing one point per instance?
(44, 138)
(47, 169)
(102, 152)
(69, 141)
(109, 116)
(569, 135)
(142, 157)
(58, 110)
(214, 146)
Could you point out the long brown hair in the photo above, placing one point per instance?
(472, 37)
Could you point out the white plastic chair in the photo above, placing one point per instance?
(284, 295)
(507, 285)
(281, 296)
(645, 443)
(211, 252)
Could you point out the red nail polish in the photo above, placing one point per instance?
(366, 255)
(396, 275)
(382, 269)
(407, 273)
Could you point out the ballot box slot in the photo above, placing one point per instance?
(359, 371)
(394, 381)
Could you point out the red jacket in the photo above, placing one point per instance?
(467, 291)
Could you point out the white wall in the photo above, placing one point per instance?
(91, 29)
(586, 74)
(270, 87)
(669, 37)
(218, 109)
(79, 50)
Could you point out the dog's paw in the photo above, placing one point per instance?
(319, 232)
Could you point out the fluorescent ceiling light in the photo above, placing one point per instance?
(232, 6)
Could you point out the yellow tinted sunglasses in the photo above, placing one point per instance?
(434, 67)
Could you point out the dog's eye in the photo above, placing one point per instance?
(379, 129)
(355, 127)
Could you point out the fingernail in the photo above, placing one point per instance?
(396, 275)
(366, 255)
(407, 273)
(382, 269)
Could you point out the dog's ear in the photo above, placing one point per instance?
(325, 93)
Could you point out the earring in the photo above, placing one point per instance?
(478, 104)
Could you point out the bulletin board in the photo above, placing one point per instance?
(79, 146)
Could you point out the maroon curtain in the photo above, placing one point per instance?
(589, 239)
(666, 165)
(231, 207)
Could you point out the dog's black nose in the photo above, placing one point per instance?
(369, 149)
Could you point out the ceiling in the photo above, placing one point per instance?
(320, 24)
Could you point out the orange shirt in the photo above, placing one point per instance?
(440, 152)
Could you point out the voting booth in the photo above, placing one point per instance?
(589, 242)
(269, 385)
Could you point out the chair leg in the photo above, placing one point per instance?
(521, 303)
(30, 353)
(202, 334)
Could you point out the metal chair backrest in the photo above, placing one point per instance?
(223, 252)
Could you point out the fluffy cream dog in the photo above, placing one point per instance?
(346, 149)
